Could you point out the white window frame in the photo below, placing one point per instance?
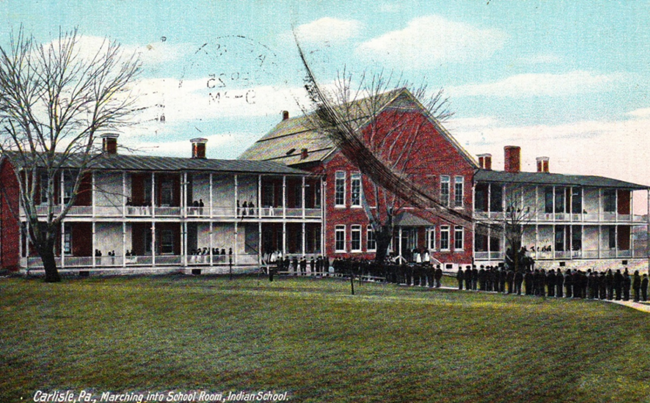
(339, 229)
(457, 239)
(67, 239)
(459, 195)
(355, 230)
(445, 182)
(431, 238)
(355, 180)
(371, 241)
(339, 195)
(163, 241)
(444, 230)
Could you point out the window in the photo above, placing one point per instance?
(548, 200)
(496, 197)
(147, 240)
(458, 191)
(458, 238)
(372, 241)
(339, 189)
(355, 196)
(576, 237)
(612, 237)
(167, 193)
(298, 196)
(268, 195)
(444, 237)
(559, 200)
(444, 190)
(68, 186)
(431, 238)
(43, 188)
(167, 242)
(339, 238)
(67, 239)
(609, 201)
(355, 238)
(576, 200)
(317, 194)
(559, 238)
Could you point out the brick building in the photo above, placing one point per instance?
(426, 153)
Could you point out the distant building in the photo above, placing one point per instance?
(139, 212)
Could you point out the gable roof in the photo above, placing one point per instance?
(544, 178)
(285, 142)
(119, 162)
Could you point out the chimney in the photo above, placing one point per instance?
(542, 164)
(109, 143)
(304, 153)
(285, 115)
(512, 161)
(485, 161)
(198, 147)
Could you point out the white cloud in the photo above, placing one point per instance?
(427, 41)
(545, 84)
(327, 29)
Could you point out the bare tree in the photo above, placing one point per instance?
(516, 216)
(55, 99)
(382, 149)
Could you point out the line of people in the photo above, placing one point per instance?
(610, 285)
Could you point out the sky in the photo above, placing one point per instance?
(565, 79)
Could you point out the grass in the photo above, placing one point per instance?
(313, 339)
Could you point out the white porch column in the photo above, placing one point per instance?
(153, 243)
(93, 241)
(303, 199)
(235, 250)
(63, 245)
(153, 197)
(123, 243)
(399, 241)
(259, 197)
(211, 229)
(284, 238)
(237, 206)
(184, 243)
(184, 197)
(304, 249)
(124, 196)
(93, 196)
(600, 235)
(259, 239)
(211, 206)
(284, 197)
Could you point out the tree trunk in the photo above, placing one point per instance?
(49, 264)
(383, 239)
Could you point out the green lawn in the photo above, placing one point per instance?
(313, 339)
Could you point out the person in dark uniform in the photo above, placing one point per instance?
(609, 280)
(618, 284)
(519, 278)
(468, 277)
(510, 280)
(559, 283)
(438, 276)
(312, 266)
(460, 276)
(602, 289)
(644, 288)
(481, 278)
(474, 278)
(550, 281)
(627, 284)
(568, 283)
(636, 286)
(502, 279)
(294, 264)
(528, 282)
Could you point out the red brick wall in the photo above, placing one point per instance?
(428, 155)
(9, 231)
